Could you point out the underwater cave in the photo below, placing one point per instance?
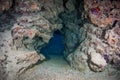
(55, 46)
(59, 40)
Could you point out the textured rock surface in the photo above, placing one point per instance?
(5, 5)
(13, 62)
(73, 20)
(3, 61)
(22, 62)
(24, 32)
(95, 45)
(32, 23)
(102, 42)
(27, 60)
(78, 60)
(103, 13)
(30, 27)
(96, 61)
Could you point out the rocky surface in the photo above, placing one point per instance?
(30, 27)
(5, 5)
(3, 61)
(24, 32)
(15, 62)
(98, 44)
(97, 49)
(103, 13)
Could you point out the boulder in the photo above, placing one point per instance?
(78, 60)
(96, 61)
(21, 62)
(27, 60)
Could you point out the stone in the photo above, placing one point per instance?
(3, 62)
(23, 61)
(95, 48)
(70, 6)
(31, 27)
(112, 38)
(97, 62)
(31, 57)
(5, 5)
(27, 6)
(78, 60)
(100, 12)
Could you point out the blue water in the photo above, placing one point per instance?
(55, 45)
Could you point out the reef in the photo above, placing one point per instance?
(91, 31)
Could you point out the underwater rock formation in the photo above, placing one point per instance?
(5, 5)
(27, 6)
(91, 30)
(21, 62)
(25, 33)
(96, 60)
(3, 61)
(29, 27)
(102, 42)
(12, 62)
(26, 60)
(103, 13)
(98, 50)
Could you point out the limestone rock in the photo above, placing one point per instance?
(97, 47)
(3, 61)
(96, 61)
(70, 6)
(112, 36)
(102, 13)
(5, 5)
(27, 6)
(21, 62)
(78, 60)
(31, 27)
(47, 8)
(27, 60)
(29, 57)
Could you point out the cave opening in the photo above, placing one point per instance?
(55, 47)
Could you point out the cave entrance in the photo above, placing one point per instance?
(55, 47)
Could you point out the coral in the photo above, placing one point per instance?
(102, 13)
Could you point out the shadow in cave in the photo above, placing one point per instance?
(55, 47)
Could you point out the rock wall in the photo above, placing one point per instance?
(26, 26)
(100, 46)
(73, 20)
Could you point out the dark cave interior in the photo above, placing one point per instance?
(55, 45)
